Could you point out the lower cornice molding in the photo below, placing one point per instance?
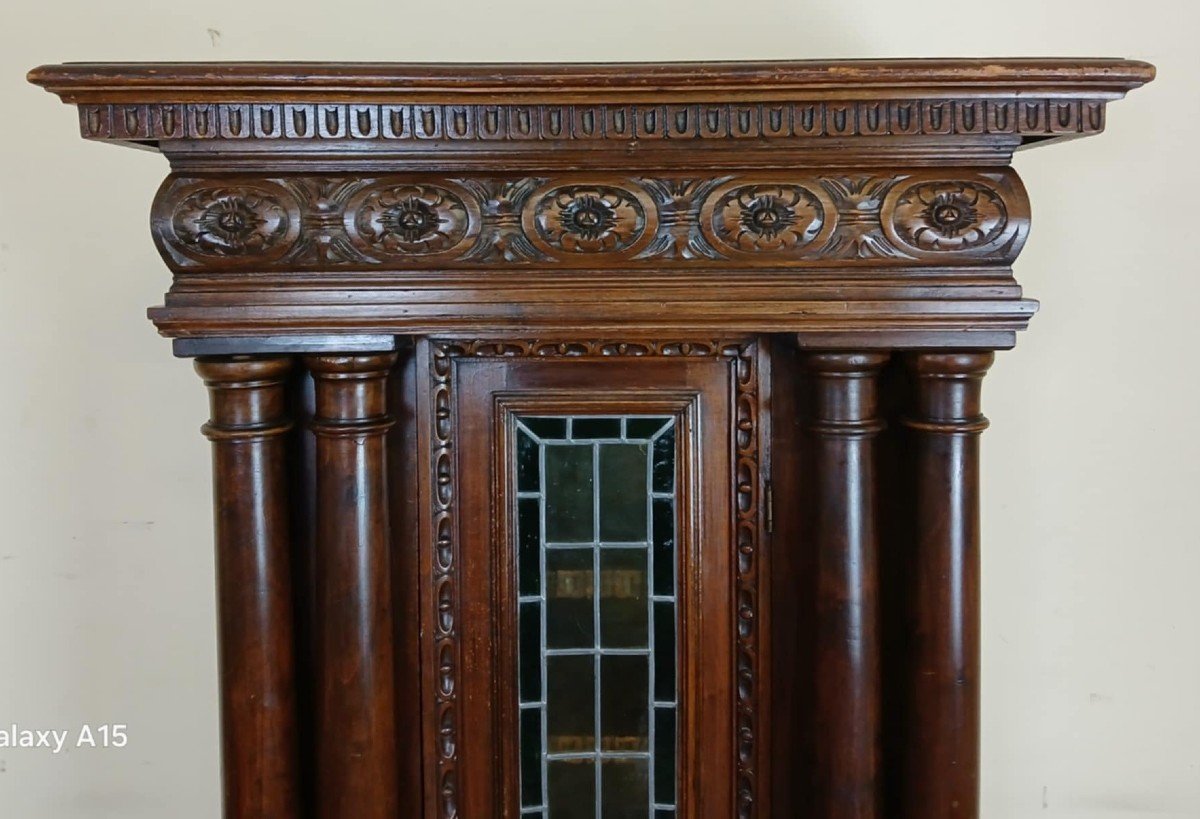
(988, 324)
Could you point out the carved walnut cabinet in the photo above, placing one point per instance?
(595, 440)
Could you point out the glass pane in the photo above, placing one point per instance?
(547, 428)
(595, 563)
(528, 468)
(571, 704)
(645, 427)
(570, 610)
(625, 788)
(531, 652)
(529, 539)
(572, 789)
(664, 547)
(623, 609)
(569, 501)
(624, 703)
(664, 756)
(623, 492)
(664, 652)
(596, 428)
(531, 768)
(664, 462)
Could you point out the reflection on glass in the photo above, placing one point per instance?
(595, 550)
(572, 789)
(623, 492)
(624, 703)
(570, 608)
(626, 787)
(570, 704)
(623, 589)
(568, 494)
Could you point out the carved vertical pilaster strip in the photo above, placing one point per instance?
(847, 690)
(446, 571)
(357, 767)
(747, 579)
(260, 754)
(940, 716)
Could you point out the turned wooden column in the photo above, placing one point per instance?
(258, 691)
(355, 692)
(847, 690)
(940, 714)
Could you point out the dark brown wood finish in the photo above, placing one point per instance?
(357, 766)
(260, 750)
(941, 712)
(843, 424)
(707, 384)
(747, 245)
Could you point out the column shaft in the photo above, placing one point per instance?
(260, 755)
(939, 747)
(843, 425)
(357, 769)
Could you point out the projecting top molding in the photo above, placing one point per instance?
(1005, 101)
(847, 202)
(580, 82)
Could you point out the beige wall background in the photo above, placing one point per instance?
(1092, 565)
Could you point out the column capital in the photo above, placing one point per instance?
(246, 396)
(351, 393)
(949, 398)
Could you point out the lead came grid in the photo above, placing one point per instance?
(596, 524)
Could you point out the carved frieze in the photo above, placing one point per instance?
(954, 216)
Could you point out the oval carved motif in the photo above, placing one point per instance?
(588, 219)
(409, 220)
(241, 222)
(946, 216)
(766, 218)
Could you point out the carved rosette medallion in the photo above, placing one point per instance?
(581, 219)
(241, 222)
(409, 220)
(769, 219)
(972, 216)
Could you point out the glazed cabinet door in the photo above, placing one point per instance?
(589, 580)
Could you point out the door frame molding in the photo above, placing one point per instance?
(441, 560)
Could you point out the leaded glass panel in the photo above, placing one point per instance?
(596, 567)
